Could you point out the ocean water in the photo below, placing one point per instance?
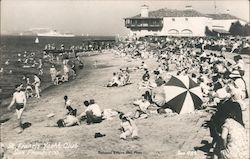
(11, 46)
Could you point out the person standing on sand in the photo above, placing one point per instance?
(53, 72)
(19, 98)
(66, 72)
(37, 83)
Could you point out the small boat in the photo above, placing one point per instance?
(37, 40)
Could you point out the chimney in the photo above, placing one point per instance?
(188, 7)
(144, 11)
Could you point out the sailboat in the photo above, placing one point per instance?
(37, 40)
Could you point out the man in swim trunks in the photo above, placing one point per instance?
(19, 99)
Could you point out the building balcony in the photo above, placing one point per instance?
(144, 25)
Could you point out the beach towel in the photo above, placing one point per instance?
(108, 114)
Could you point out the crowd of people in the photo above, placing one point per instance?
(88, 45)
(93, 114)
(221, 81)
(119, 79)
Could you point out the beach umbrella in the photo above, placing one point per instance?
(182, 94)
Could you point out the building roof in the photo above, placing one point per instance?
(172, 13)
(221, 16)
(165, 12)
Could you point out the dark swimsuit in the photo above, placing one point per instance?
(19, 106)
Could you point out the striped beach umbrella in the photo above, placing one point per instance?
(182, 94)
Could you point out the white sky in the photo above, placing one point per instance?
(97, 17)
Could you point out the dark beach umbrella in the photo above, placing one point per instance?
(182, 94)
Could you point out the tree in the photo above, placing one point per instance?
(236, 29)
(246, 30)
(208, 32)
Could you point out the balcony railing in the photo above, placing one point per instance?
(160, 25)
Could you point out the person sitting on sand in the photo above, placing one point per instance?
(93, 112)
(228, 132)
(59, 78)
(146, 83)
(143, 105)
(19, 98)
(126, 76)
(239, 83)
(159, 69)
(143, 65)
(128, 127)
(158, 94)
(146, 76)
(114, 81)
(240, 65)
(81, 65)
(237, 96)
(67, 104)
(29, 91)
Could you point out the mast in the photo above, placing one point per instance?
(215, 7)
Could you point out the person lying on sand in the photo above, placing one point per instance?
(128, 127)
(69, 120)
(19, 98)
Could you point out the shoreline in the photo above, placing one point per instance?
(5, 114)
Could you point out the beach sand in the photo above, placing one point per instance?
(160, 136)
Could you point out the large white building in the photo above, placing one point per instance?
(168, 22)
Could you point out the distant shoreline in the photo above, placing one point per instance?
(97, 37)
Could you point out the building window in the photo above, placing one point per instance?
(186, 19)
(173, 19)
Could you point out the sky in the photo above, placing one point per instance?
(97, 17)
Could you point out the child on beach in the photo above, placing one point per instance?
(19, 98)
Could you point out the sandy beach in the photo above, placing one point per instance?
(160, 136)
